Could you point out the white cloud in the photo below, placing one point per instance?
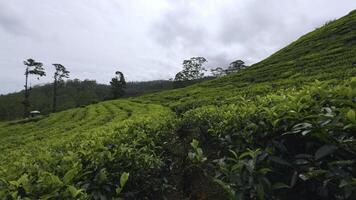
(148, 39)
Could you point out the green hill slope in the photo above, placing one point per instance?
(72, 94)
(324, 54)
(286, 125)
(78, 144)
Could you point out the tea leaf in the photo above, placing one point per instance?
(351, 116)
(123, 179)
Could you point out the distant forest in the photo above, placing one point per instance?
(76, 93)
(61, 95)
(72, 93)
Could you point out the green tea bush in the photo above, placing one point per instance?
(92, 165)
(270, 131)
(295, 141)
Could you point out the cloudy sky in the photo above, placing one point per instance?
(148, 39)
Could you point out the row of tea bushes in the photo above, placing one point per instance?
(102, 161)
(299, 142)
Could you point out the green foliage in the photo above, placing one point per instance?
(351, 116)
(197, 155)
(123, 179)
(118, 84)
(217, 72)
(246, 174)
(280, 144)
(32, 68)
(73, 93)
(327, 53)
(60, 73)
(85, 153)
(70, 94)
(283, 126)
(192, 69)
(235, 66)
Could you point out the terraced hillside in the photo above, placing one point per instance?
(283, 126)
(79, 144)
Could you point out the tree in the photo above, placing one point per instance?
(118, 84)
(217, 72)
(192, 69)
(60, 73)
(235, 66)
(32, 68)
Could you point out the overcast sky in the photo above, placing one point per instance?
(148, 39)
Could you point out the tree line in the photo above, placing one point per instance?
(72, 91)
(35, 68)
(193, 69)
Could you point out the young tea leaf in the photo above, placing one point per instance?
(74, 191)
(123, 179)
(194, 143)
(351, 116)
(68, 177)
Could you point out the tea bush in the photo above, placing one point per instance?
(282, 129)
(91, 162)
(293, 142)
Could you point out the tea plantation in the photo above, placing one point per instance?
(282, 129)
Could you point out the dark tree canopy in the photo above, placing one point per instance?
(118, 84)
(235, 66)
(60, 73)
(217, 72)
(32, 68)
(192, 69)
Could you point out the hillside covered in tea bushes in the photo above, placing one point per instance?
(282, 129)
(71, 94)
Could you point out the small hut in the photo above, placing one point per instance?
(34, 113)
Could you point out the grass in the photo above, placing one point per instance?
(284, 125)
